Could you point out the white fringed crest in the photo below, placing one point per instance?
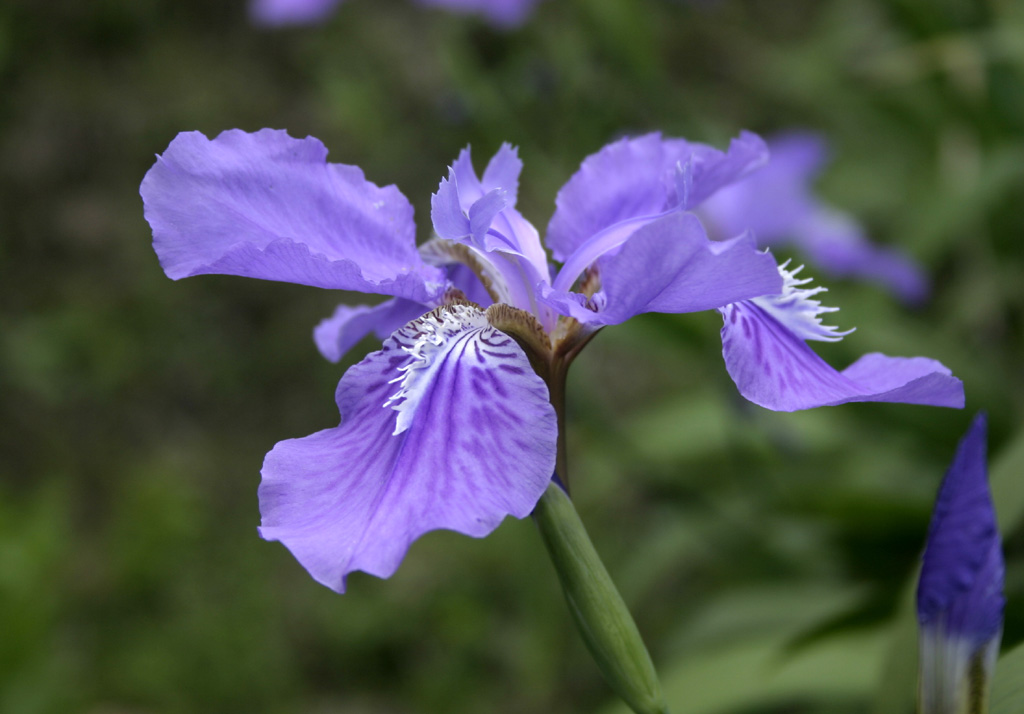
(426, 339)
(796, 309)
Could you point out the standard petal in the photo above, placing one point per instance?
(335, 335)
(670, 265)
(773, 200)
(623, 180)
(473, 441)
(483, 212)
(774, 368)
(714, 170)
(481, 216)
(268, 206)
(503, 171)
(446, 212)
(635, 179)
(278, 13)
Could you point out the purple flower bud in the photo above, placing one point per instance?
(960, 594)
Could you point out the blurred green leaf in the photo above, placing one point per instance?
(760, 672)
(1008, 683)
(1006, 478)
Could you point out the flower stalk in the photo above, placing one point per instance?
(600, 613)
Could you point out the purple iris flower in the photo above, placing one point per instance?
(960, 594)
(278, 13)
(454, 422)
(777, 204)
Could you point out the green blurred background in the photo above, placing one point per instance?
(767, 556)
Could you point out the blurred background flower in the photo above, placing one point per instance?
(279, 13)
(767, 556)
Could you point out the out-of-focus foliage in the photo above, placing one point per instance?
(765, 555)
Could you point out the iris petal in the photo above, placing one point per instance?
(776, 369)
(478, 445)
(268, 206)
(670, 265)
(335, 335)
(633, 178)
(481, 215)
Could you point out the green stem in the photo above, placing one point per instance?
(603, 619)
(556, 391)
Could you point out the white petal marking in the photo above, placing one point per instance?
(428, 340)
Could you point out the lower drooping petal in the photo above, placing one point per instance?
(335, 335)
(268, 206)
(775, 369)
(473, 441)
(670, 265)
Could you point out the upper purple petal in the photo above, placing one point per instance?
(774, 199)
(774, 368)
(621, 181)
(265, 205)
(961, 580)
(278, 13)
(635, 178)
(714, 170)
(446, 211)
(670, 265)
(337, 334)
(481, 215)
(473, 440)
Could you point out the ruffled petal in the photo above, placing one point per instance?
(278, 13)
(481, 216)
(633, 179)
(774, 368)
(670, 265)
(446, 427)
(503, 170)
(714, 170)
(446, 212)
(773, 200)
(337, 334)
(623, 180)
(268, 206)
